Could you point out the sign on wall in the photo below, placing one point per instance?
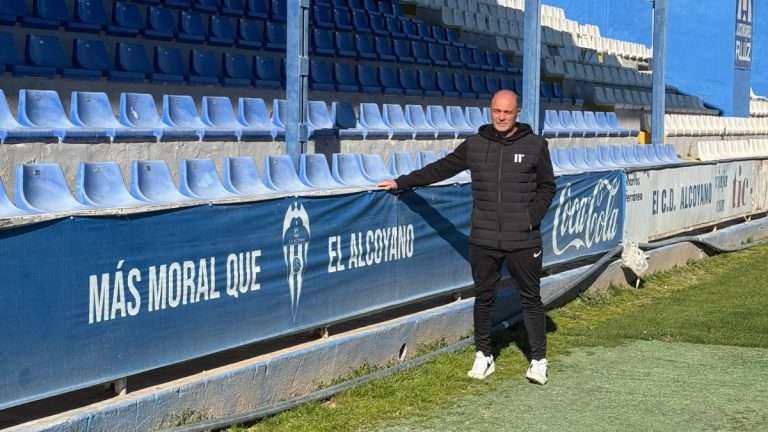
(744, 35)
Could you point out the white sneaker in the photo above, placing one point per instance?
(482, 367)
(537, 371)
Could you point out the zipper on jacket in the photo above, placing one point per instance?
(498, 197)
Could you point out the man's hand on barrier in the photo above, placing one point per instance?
(387, 184)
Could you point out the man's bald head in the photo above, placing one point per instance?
(504, 110)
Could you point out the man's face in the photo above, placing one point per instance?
(504, 113)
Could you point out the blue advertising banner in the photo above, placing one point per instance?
(744, 35)
(87, 300)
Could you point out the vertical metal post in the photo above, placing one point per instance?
(658, 106)
(296, 73)
(531, 64)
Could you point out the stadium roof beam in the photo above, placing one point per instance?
(531, 63)
(296, 73)
(658, 60)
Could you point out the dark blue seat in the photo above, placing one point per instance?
(545, 93)
(344, 78)
(100, 184)
(557, 93)
(389, 81)
(93, 110)
(371, 119)
(233, 7)
(322, 42)
(492, 60)
(178, 4)
(383, 46)
(266, 72)
(427, 83)
(218, 113)
(151, 181)
(42, 188)
(320, 78)
(394, 117)
(440, 35)
(276, 36)
(138, 110)
(242, 177)
(220, 31)
(345, 120)
(409, 82)
(160, 24)
(92, 55)
(206, 6)
(346, 169)
(452, 56)
(11, 60)
(322, 16)
(453, 38)
(373, 168)
(457, 118)
(13, 131)
(463, 86)
(402, 49)
(203, 68)
(131, 63)
(378, 25)
(360, 23)
(191, 27)
(12, 11)
(90, 16)
(314, 171)
(344, 44)
(419, 50)
(394, 27)
(253, 113)
(43, 109)
(409, 29)
(492, 84)
(445, 84)
(169, 66)
(424, 32)
(180, 111)
(258, 9)
(280, 174)
(250, 33)
(342, 20)
(126, 19)
(437, 54)
(236, 70)
(48, 14)
(199, 179)
(279, 10)
(438, 119)
(364, 46)
(417, 118)
(46, 52)
(366, 76)
(7, 208)
(506, 65)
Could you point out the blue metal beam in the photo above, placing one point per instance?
(659, 82)
(296, 73)
(531, 64)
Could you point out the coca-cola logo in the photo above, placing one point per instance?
(586, 220)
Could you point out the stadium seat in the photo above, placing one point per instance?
(314, 171)
(90, 16)
(320, 78)
(557, 92)
(605, 157)
(364, 47)
(394, 117)
(458, 119)
(203, 68)
(419, 52)
(614, 123)
(378, 25)
(233, 7)
(373, 168)
(477, 84)
(236, 70)
(180, 111)
(94, 110)
(169, 66)
(424, 158)
(394, 27)
(42, 188)
(400, 163)
(492, 84)
(417, 119)
(366, 76)
(12, 11)
(409, 83)
(383, 48)
(566, 121)
(360, 23)
(445, 84)
(389, 82)
(424, 31)
(138, 110)
(178, 4)
(280, 174)
(7, 208)
(250, 33)
(342, 20)
(344, 78)
(402, 50)
(206, 6)
(199, 179)
(191, 27)
(322, 42)
(278, 113)
(151, 181)
(47, 53)
(552, 127)
(461, 82)
(217, 112)
(276, 36)
(47, 14)
(11, 60)
(131, 63)
(258, 9)
(13, 131)
(241, 177)
(100, 184)
(438, 119)
(126, 20)
(43, 109)
(642, 155)
(279, 10)
(253, 113)
(409, 29)
(579, 158)
(427, 83)
(345, 121)
(92, 55)
(161, 25)
(564, 161)
(220, 31)
(372, 121)
(600, 130)
(267, 72)
(475, 118)
(319, 121)
(347, 170)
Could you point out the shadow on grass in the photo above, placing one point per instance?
(518, 336)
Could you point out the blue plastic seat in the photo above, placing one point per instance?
(92, 55)
(463, 86)
(345, 121)
(458, 120)
(364, 46)
(427, 83)
(253, 113)
(319, 121)
(258, 9)
(206, 6)
(100, 184)
(552, 127)
(242, 177)
(131, 63)
(203, 68)
(409, 83)
(564, 161)
(475, 117)
(43, 109)
(344, 78)
(13, 131)
(138, 110)
(250, 33)
(314, 171)
(278, 114)
(169, 66)
(48, 14)
(394, 27)
(671, 153)
(424, 158)
(545, 93)
(233, 7)
(220, 31)
(322, 42)
(126, 19)
(199, 179)
(94, 110)
(394, 117)
(236, 70)
(47, 53)
(400, 163)
(605, 157)
(347, 170)
(614, 123)
(178, 4)
(11, 60)
(279, 10)
(320, 78)
(389, 82)
(617, 154)
(378, 25)
(322, 16)
(465, 54)
(642, 155)
(477, 84)
(417, 118)
(579, 158)
(191, 27)
(360, 22)
(180, 111)
(373, 168)
(419, 51)
(7, 208)
(557, 92)
(42, 188)
(566, 120)
(151, 181)
(402, 50)
(161, 24)
(492, 84)
(372, 120)
(445, 84)
(12, 11)
(438, 119)
(409, 29)
(383, 47)
(280, 174)
(266, 72)
(424, 31)
(580, 124)
(437, 54)
(628, 151)
(452, 56)
(218, 113)
(344, 44)
(366, 76)
(601, 126)
(276, 36)
(90, 16)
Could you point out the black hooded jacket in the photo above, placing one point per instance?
(512, 185)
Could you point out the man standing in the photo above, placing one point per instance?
(512, 187)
